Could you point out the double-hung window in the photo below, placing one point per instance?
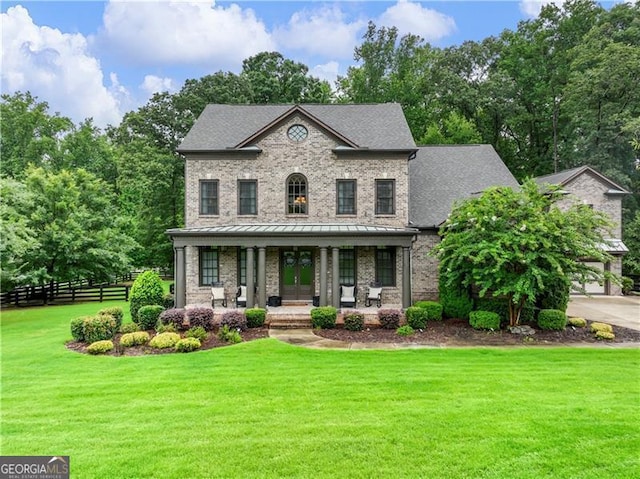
(385, 197)
(346, 197)
(209, 265)
(386, 266)
(347, 265)
(247, 197)
(209, 197)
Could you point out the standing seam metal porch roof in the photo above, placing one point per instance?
(278, 229)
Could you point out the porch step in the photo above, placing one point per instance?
(289, 321)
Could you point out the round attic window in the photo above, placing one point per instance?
(297, 133)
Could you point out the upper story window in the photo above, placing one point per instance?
(297, 133)
(385, 197)
(208, 197)
(247, 197)
(346, 197)
(297, 195)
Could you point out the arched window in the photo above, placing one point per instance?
(297, 195)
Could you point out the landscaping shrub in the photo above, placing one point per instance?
(552, 319)
(167, 301)
(484, 320)
(198, 332)
(145, 291)
(500, 306)
(114, 311)
(173, 316)
(129, 328)
(627, 285)
(186, 345)
(605, 335)
(596, 327)
(134, 339)
(417, 317)
(556, 294)
(577, 322)
(164, 340)
(405, 330)
(389, 318)
(148, 316)
(77, 328)
(324, 317)
(229, 335)
(354, 321)
(202, 317)
(100, 347)
(165, 328)
(433, 309)
(456, 302)
(98, 328)
(234, 319)
(255, 317)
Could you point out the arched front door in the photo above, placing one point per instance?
(297, 274)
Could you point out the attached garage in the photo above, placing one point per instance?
(594, 287)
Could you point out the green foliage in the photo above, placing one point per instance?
(451, 130)
(555, 294)
(484, 320)
(353, 321)
(166, 328)
(600, 327)
(229, 335)
(197, 332)
(148, 316)
(129, 328)
(134, 339)
(433, 309)
(605, 335)
(203, 317)
(324, 317)
(115, 312)
(627, 285)
(512, 243)
(500, 306)
(175, 317)
(100, 347)
(164, 340)
(167, 301)
(577, 322)
(146, 290)
(552, 319)
(456, 302)
(234, 319)
(99, 327)
(255, 317)
(405, 330)
(389, 318)
(417, 317)
(77, 328)
(631, 238)
(186, 345)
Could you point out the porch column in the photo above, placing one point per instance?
(262, 277)
(179, 276)
(251, 287)
(323, 275)
(406, 277)
(335, 277)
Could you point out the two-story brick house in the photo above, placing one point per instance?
(295, 200)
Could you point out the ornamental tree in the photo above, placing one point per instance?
(516, 244)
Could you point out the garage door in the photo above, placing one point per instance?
(594, 287)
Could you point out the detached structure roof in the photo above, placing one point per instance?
(440, 175)
(565, 177)
(363, 126)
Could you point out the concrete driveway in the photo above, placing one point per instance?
(617, 310)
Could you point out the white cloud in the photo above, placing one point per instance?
(56, 67)
(183, 32)
(154, 84)
(531, 8)
(323, 31)
(409, 17)
(329, 71)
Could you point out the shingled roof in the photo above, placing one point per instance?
(562, 178)
(442, 174)
(366, 126)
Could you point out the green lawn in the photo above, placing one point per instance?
(265, 409)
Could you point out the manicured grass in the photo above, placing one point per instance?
(266, 409)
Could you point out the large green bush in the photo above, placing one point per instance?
(148, 316)
(416, 317)
(500, 306)
(353, 321)
(114, 311)
(484, 320)
(555, 295)
(552, 319)
(456, 302)
(146, 290)
(77, 328)
(255, 317)
(98, 328)
(433, 309)
(324, 317)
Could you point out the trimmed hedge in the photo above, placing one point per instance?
(202, 317)
(389, 318)
(114, 311)
(134, 339)
(456, 302)
(186, 345)
(174, 316)
(417, 317)
(98, 328)
(234, 319)
(100, 347)
(148, 316)
(77, 328)
(484, 320)
(353, 321)
(145, 291)
(433, 309)
(324, 317)
(552, 319)
(405, 330)
(255, 317)
(164, 340)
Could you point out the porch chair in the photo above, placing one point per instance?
(348, 296)
(241, 296)
(218, 294)
(374, 293)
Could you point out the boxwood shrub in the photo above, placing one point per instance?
(552, 319)
(146, 290)
(353, 321)
(416, 317)
(484, 320)
(255, 317)
(148, 316)
(167, 301)
(389, 318)
(324, 317)
(577, 322)
(234, 319)
(114, 311)
(174, 316)
(202, 317)
(433, 309)
(186, 345)
(134, 339)
(98, 328)
(405, 330)
(77, 328)
(129, 328)
(164, 340)
(595, 327)
(100, 347)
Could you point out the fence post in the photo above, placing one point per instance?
(126, 293)
(101, 286)
(73, 294)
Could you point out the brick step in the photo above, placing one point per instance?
(290, 325)
(289, 321)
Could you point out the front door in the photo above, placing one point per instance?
(297, 274)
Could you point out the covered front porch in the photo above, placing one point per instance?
(302, 263)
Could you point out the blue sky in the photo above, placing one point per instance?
(101, 59)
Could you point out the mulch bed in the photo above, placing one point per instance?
(458, 332)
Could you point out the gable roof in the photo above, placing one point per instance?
(369, 126)
(563, 178)
(440, 175)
